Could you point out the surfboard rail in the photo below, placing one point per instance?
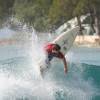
(66, 39)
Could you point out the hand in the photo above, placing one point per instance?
(65, 70)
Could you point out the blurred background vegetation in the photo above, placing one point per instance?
(47, 15)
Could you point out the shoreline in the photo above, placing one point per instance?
(87, 41)
(80, 41)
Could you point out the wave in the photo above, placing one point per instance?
(21, 84)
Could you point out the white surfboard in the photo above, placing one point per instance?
(66, 39)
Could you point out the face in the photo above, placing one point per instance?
(55, 51)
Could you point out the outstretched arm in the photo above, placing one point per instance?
(65, 65)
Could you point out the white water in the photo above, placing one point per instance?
(20, 80)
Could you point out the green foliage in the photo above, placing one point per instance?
(45, 15)
(33, 12)
(5, 9)
(80, 7)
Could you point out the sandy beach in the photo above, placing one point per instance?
(87, 41)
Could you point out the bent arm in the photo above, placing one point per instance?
(65, 65)
(64, 61)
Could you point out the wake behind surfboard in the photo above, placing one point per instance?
(65, 41)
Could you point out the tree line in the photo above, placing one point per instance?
(46, 15)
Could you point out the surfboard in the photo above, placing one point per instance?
(65, 40)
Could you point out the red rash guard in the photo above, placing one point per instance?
(48, 48)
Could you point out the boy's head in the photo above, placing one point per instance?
(56, 48)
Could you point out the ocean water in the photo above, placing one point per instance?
(20, 79)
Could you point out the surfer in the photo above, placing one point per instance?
(53, 50)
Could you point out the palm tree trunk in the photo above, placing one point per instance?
(92, 21)
(91, 11)
(97, 22)
(80, 25)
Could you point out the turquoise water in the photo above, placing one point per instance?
(93, 72)
(19, 78)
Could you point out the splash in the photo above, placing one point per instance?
(19, 74)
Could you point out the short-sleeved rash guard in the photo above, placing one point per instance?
(48, 48)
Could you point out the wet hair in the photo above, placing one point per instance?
(57, 47)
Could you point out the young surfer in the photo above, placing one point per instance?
(53, 50)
